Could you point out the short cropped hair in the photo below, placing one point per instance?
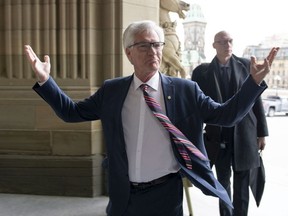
(138, 27)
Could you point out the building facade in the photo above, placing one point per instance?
(40, 154)
(194, 38)
(277, 79)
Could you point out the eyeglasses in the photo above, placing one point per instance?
(145, 46)
(224, 42)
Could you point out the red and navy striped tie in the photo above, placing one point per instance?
(182, 143)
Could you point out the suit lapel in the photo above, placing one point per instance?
(240, 72)
(169, 96)
(212, 79)
(124, 89)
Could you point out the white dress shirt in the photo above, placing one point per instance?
(148, 144)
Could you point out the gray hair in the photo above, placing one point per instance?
(138, 27)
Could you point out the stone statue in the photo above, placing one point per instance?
(171, 60)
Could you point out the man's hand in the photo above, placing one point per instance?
(41, 69)
(259, 71)
(261, 143)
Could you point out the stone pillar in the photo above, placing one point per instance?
(40, 154)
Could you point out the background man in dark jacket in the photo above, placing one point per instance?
(237, 147)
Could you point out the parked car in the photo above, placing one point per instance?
(275, 104)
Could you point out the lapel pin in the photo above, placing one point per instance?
(169, 97)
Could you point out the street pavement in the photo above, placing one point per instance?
(274, 200)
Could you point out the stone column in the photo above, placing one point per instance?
(39, 153)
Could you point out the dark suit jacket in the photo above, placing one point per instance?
(253, 125)
(187, 107)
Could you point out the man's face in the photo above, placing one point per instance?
(223, 44)
(145, 57)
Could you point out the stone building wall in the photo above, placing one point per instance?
(40, 154)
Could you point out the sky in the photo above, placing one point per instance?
(248, 21)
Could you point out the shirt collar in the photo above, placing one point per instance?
(225, 65)
(153, 82)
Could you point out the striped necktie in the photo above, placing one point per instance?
(182, 143)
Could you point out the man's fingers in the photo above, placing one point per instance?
(47, 59)
(30, 54)
(33, 53)
(272, 54)
(259, 71)
(267, 65)
(32, 57)
(253, 64)
(253, 60)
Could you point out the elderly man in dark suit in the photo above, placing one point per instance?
(144, 164)
(236, 146)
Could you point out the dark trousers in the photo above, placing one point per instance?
(240, 184)
(164, 199)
